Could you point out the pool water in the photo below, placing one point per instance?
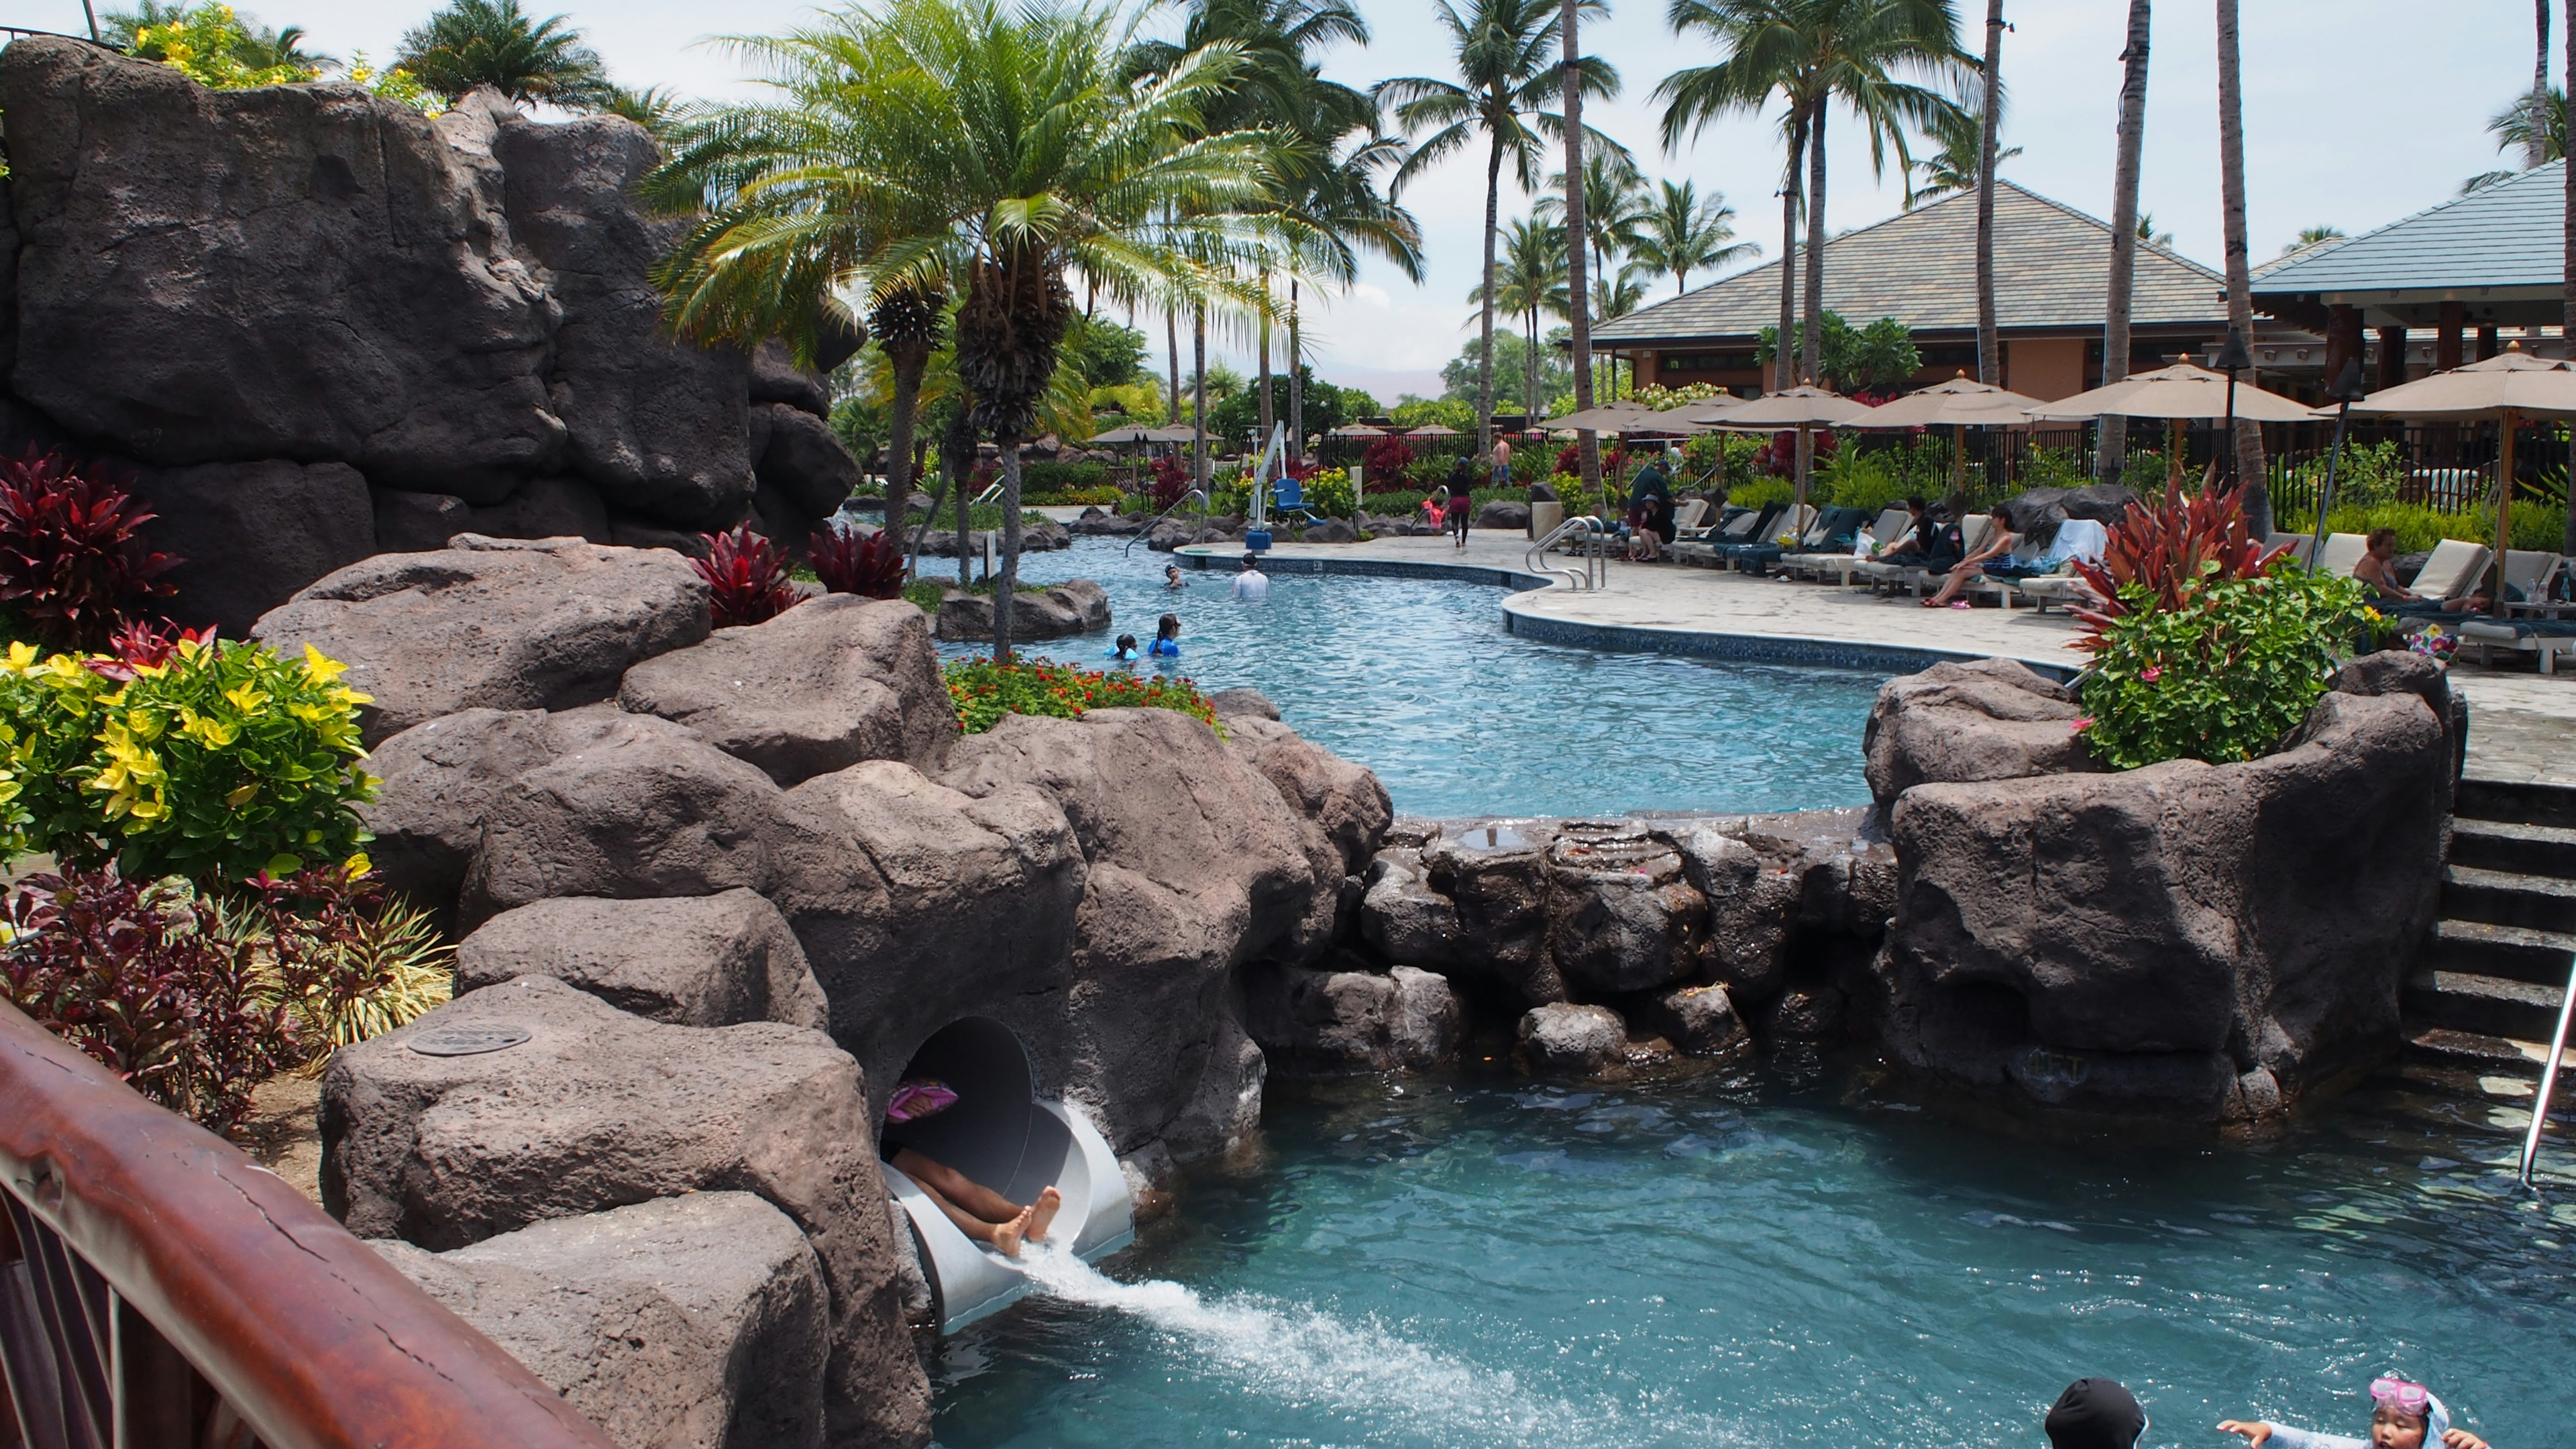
(1417, 679)
(1479, 1261)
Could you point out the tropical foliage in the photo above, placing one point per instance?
(73, 561)
(1881, 354)
(494, 43)
(984, 690)
(747, 576)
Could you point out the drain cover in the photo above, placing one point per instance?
(467, 1041)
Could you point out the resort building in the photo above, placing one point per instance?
(2052, 271)
(2468, 271)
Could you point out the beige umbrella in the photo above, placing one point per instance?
(1705, 411)
(1609, 417)
(2507, 387)
(1132, 433)
(1802, 409)
(1959, 404)
(1174, 433)
(2175, 393)
(1357, 430)
(1434, 430)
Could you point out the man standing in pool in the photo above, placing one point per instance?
(1252, 586)
(979, 1212)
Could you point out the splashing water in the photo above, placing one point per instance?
(1383, 1386)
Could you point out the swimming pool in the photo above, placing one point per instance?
(1417, 679)
(1480, 1261)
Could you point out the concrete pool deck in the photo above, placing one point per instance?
(2523, 725)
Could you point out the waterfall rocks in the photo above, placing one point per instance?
(1322, 1022)
(717, 960)
(1564, 1040)
(675, 1323)
(2202, 942)
(1076, 606)
(374, 305)
(1992, 719)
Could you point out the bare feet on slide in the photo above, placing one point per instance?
(1007, 1236)
(1042, 1213)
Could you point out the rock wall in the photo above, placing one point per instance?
(309, 325)
(728, 883)
(2202, 942)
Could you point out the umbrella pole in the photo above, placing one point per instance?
(2173, 454)
(2504, 503)
(2317, 545)
(1798, 500)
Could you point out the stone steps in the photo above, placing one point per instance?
(2515, 847)
(2519, 953)
(2496, 1006)
(2508, 898)
(2516, 803)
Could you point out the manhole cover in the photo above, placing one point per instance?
(467, 1041)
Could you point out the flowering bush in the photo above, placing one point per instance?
(73, 561)
(749, 576)
(194, 1002)
(210, 45)
(1328, 492)
(1569, 459)
(984, 691)
(221, 762)
(1387, 456)
(849, 562)
(2209, 648)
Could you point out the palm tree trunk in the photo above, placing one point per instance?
(1296, 385)
(2112, 452)
(1529, 371)
(909, 359)
(1811, 341)
(2535, 148)
(1198, 397)
(2567, 317)
(956, 462)
(1005, 588)
(1784, 369)
(1587, 443)
(2240, 295)
(1485, 358)
(1990, 360)
(1172, 341)
(1269, 413)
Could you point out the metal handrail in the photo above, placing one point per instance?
(992, 493)
(159, 1288)
(1588, 532)
(2549, 1075)
(1177, 505)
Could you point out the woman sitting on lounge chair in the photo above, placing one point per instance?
(2378, 568)
(1989, 555)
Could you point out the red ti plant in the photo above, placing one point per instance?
(1386, 456)
(848, 562)
(2171, 549)
(748, 574)
(72, 555)
(144, 644)
(1171, 481)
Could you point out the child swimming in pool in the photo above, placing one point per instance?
(1167, 638)
(979, 1212)
(2402, 1416)
(1124, 651)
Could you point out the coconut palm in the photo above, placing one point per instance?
(2536, 125)
(1765, 55)
(1530, 281)
(493, 43)
(2128, 228)
(1680, 234)
(1953, 168)
(1507, 72)
(2160, 240)
(657, 109)
(1990, 99)
(1336, 196)
(2240, 291)
(2533, 155)
(1616, 205)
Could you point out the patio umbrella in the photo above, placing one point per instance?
(1132, 433)
(1609, 417)
(1356, 430)
(1433, 430)
(1802, 409)
(1705, 411)
(1959, 404)
(2174, 394)
(2508, 387)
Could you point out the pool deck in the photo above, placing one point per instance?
(2523, 725)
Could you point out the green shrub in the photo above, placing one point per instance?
(1329, 493)
(1856, 479)
(2223, 677)
(1762, 492)
(1037, 478)
(1107, 495)
(220, 763)
(2051, 468)
(2369, 475)
(925, 594)
(984, 691)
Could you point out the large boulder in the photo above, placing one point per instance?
(1564, 1040)
(419, 522)
(1076, 606)
(1622, 918)
(1496, 878)
(2200, 941)
(492, 624)
(597, 1109)
(653, 425)
(831, 682)
(691, 1322)
(775, 378)
(254, 533)
(304, 272)
(717, 960)
(1993, 719)
(546, 508)
(1502, 514)
(438, 778)
(1698, 1020)
(1309, 1020)
(805, 461)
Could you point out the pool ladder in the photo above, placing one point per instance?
(1588, 536)
(1184, 501)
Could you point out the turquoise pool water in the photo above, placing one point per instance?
(1417, 679)
(1482, 1262)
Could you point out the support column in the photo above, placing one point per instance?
(2343, 339)
(2488, 343)
(2392, 356)
(2451, 322)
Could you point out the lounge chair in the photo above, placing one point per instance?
(2452, 571)
(1743, 526)
(1689, 518)
(1758, 554)
(2300, 545)
(2077, 538)
(1912, 576)
(2548, 639)
(1838, 558)
(1829, 533)
(2529, 575)
(2343, 550)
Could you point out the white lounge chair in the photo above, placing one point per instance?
(2452, 571)
(2530, 572)
(2343, 550)
(2300, 545)
(1891, 526)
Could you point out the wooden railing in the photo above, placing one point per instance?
(159, 1290)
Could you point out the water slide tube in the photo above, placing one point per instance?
(1005, 1136)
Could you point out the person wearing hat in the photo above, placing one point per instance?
(2095, 1414)
(2402, 1416)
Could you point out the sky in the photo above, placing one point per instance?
(2357, 113)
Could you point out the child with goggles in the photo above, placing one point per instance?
(2402, 1416)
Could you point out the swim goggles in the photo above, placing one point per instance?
(2401, 1395)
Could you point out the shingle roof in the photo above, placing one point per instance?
(2052, 269)
(2511, 234)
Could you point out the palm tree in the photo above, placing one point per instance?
(2532, 156)
(1766, 51)
(657, 109)
(2248, 457)
(2311, 235)
(494, 43)
(2161, 240)
(1506, 77)
(2128, 228)
(1990, 97)
(1679, 234)
(1336, 197)
(1531, 281)
(1044, 158)
(1614, 201)
(2536, 125)
(1952, 169)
